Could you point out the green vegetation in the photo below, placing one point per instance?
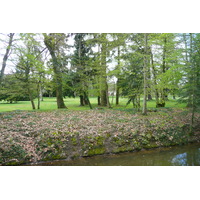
(99, 93)
(28, 136)
(49, 103)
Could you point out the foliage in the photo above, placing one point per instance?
(13, 90)
(101, 63)
(81, 67)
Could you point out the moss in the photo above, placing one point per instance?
(76, 155)
(99, 140)
(145, 142)
(123, 149)
(14, 155)
(137, 145)
(53, 156)
(108, 135)
(149, 135)
(150, 146)
(51, 142)
(14, 163)
(56, 157)
(96, 151)
(82, 142)
(74, 141)
(120, 141)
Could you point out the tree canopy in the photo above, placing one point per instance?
(138, 66)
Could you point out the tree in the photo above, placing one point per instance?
(6, 55)
(118, 43)
(12, 89)
(29, 67)
(103, 73)
(190, 90)
(144, 110)
(131, 75)
(81, 64)
(165, 61)
(54, 43)
(100, 68)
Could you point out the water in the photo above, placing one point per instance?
(187, 155)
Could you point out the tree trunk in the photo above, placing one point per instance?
(41, 93)
(32, 103)
(149, 97)
(99, 100)
(85, 99)
(88, 100)
(193, 85)
(144, 111)
(113, 94)
(117, 95)
(38, 93)
(31, 98)
(107, 98)
(103, 78)
(103, 97)
(138, 102)
(59, 95)
(154, 80)
(38, 103)
(5, 58)
(81, 100)
(164, 90)
(117, 83)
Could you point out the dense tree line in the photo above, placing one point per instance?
(141, 66)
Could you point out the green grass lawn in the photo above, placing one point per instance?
(49, 103)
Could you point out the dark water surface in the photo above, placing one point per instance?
(186, 155)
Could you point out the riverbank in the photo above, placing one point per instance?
(28, 137)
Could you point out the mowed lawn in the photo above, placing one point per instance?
(49, 103)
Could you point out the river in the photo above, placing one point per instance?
(186, 155)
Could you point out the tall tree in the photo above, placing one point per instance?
(54, 43)
(145, 69)
(101, 60)
(190, 90)
(29, 64)
(165, 60)
(81, 64)
(118, 44)
(103, 72)
(118, 80)
(6, 55)
(131, 75)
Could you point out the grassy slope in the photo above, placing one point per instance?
(73, 104)
(31, 136)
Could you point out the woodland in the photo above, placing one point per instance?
(156, 76)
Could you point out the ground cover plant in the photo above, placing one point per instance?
(31, 136)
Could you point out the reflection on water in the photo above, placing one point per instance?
(180, 159)
(190, 158)
(187, 155)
